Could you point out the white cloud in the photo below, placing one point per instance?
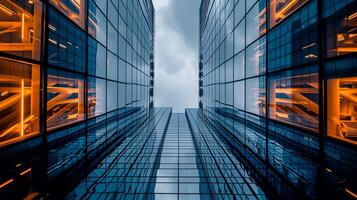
(176, 76)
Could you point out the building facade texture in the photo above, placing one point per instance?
(280, 77)
(76, 71)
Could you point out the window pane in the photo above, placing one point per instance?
(96, 96)
(66, 43)
(21, 28)
(239, 35)
(75, 10)
(256, 22)
(279, 10)
(113, 39)
(239, 95)
(112, 67)
(293, 97)
(97, 64)
(112, 93)
(65, 98)
(294, 41)
(341, 30)
(238, 14)
(255, 95)
(20, 100)
(239, 67)
(97, 23)
(342, 109)
(121, 94)
(255, 58)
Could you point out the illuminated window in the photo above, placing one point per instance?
(73, 9)
(294, 41)
(19, 100)
(65, 98)
(66, 43)
(341, 31)
(342, 108)
(280, 9)
(293, 97)
(96, 96)
(20, 27)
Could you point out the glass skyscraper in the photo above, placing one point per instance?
(279, 78)
(277, 116)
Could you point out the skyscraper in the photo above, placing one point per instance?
(73, 73)
(279, 77)
(277, 116)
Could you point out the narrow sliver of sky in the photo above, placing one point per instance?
(176, 53)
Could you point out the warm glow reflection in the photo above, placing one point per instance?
(295, 100)
(342, 32)
(20, 29)
(342, 108)
(280, 9)
(65, 101)
(19, 100)
(74, 9)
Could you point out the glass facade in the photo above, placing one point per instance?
(277, 98)
(291, 78)
(62, 63)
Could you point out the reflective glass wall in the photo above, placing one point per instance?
(65, 62)
(280, 76)
(76, 77)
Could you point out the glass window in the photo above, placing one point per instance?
(294, 42)
(73, 9)
(341, 31)
(66, 43)
(96, 96)
(96, 58)
(229, 94)
(239, 67)
(102, 4)
(239, 95)
(121, 95)
(238, 14)
(249, 4)
(21, 28)
(229, 70)
(279, 10)
(19, 100)
(113, 39)
(112, 65)
(112, 93)
(256, 22)
(229, 46)
(255, 95)
(255, 57)
(342, 108)
(113, 15)
(239, 37)
(65, 98)
(97, 23)
(294, 97)
(122, 48)
(122, 71)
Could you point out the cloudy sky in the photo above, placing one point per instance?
(176, 53)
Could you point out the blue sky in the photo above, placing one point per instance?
(176, 53)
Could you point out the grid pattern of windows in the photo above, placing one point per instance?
(76, 76)
(273, 72)
(72, 61)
